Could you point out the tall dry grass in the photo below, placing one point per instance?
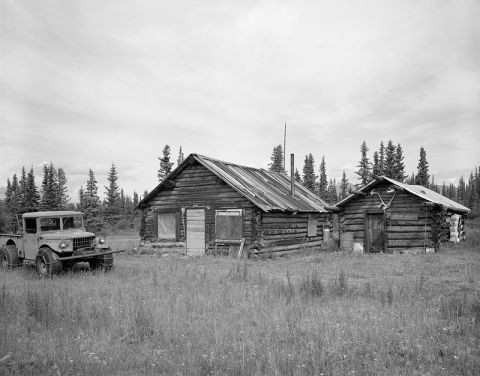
(330, 314)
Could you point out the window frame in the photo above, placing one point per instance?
(238, 213)
(177, 219)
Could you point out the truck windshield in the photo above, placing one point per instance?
(49, 224)
(69, 223)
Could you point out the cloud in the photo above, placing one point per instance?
(85, 84)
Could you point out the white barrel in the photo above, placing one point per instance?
(326, 234)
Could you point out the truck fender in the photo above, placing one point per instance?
(44, 248)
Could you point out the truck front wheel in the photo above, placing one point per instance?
(47, 264)
(9, 258)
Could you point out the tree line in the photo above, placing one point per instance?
(386, 161)
(22, 195)
(116, 209)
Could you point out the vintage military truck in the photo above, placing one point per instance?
(54, 240)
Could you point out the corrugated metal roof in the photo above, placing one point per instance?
(429, 195)
(267, 190)
(418, 190)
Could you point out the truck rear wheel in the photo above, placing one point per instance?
(102, 262)
(47, 264)
(9, 258)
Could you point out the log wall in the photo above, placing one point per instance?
(285, 229)
(408, 222)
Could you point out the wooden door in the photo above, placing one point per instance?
(375, 232)
(195, 232)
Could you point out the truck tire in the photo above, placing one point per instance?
(9, 258)
(102, 262)
(47, 264)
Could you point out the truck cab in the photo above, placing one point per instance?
(54, 240)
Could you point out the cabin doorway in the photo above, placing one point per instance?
(195, 232)
(375, 240)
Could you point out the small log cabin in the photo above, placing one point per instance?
(386, 215)
(207, 205)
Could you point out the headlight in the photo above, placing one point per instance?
(64, 244)
(101, 240)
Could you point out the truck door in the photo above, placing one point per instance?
(30, 238)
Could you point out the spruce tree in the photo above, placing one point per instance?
(376, 170)
(49, 199)
(422, 177)
(165, 164)
(322, 181)
(473, 197)
(444, 189)
(81, 199)
(461, 191)
(364, 167)
(22, 185)
(112, 200)
(331, 194)
(381, 158)
(62, 189)
(135, 199)
(452, 192)
(298, 178)
(91, 203)
(123, 201)
(128, 206)
(344, 184)
(16, 196)
(309, 176)
(277, 160)
(3, 217)
(91, 191)
(8, 197)
(390, 160)
(180, 156)
(399, 164)
(32, 197)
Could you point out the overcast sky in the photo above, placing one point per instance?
(85, 84)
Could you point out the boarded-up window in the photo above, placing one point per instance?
(228, 224)
(167, 226)
(312, 226)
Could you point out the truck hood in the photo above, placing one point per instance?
(68, 234)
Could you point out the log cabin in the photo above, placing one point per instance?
(386, 215)
(206, 205)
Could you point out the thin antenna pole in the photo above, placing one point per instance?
(284, 146)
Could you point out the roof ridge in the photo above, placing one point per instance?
(230, 163)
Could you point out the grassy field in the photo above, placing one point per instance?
(314, 314)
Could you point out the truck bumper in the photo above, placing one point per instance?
(86, 256)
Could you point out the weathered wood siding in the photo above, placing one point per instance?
(408, 222)
(287, 228)
(195, 186)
